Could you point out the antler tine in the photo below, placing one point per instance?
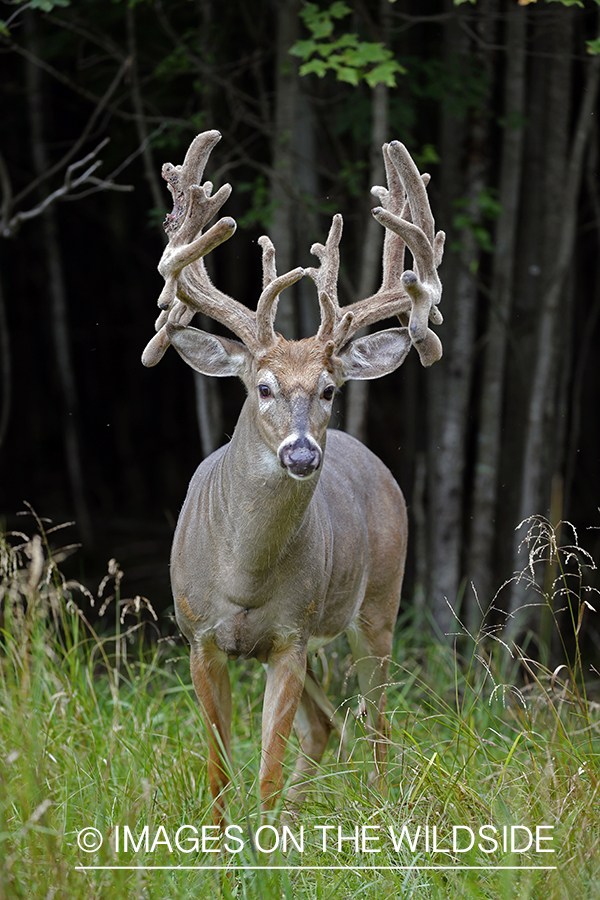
(407, 217)
(394, 199)
(326, 277)
(268, 260)
(188, 288)
(266, 309)
(415, 188)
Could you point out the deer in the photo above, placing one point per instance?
(291, 533)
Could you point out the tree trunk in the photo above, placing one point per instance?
(357, 392)
(283, 193)
(157, 189)
(450, 444)
(483, 522)
(563, 182)
(58, 303)
(306, 221)
(209, 407)
(6, 369)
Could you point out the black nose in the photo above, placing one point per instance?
(301, 458)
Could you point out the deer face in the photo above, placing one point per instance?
(291, 391)
(291, 384)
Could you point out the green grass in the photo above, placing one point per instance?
(101, 729)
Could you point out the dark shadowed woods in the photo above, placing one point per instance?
(497, 100)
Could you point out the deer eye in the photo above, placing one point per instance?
(328, 392)
(264, 391)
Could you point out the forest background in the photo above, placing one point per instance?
(497, 99)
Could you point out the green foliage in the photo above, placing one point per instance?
(262, 208)
(428, 156)
(352, 175)
(593, 47)
(567, 2)
(486, 207)
(349, 58)
(458, 82)
(176, 63)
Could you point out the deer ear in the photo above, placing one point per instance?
(375, 355)
(209, 353)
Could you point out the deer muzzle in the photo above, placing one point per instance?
(300, 456)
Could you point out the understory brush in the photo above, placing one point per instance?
(491, 787)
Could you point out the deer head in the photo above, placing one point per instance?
(291, 384)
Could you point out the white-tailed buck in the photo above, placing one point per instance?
(283, 544)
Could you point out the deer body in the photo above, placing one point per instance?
(261, 558)
(291, 534)
(299, 566)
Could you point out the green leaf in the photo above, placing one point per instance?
(346, 40)
(367, 53)
(427, 156)
(4, 29)
(261, 211)
(567, 2)
(385, 73)
(593, 47)
(488, 204)
(462, 220)
(320, 22)
(483, 238)
(303, 49)
(314, 67)
(350, 59)
(339, 9)
(347, 74)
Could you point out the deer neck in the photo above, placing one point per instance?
(265, 508)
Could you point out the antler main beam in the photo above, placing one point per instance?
(412, 296)
(188, 288)
(404, 211)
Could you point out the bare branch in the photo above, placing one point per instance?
(78, 144)
(9, 224)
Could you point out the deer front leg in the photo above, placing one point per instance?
(286, 670)
(210, 678)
